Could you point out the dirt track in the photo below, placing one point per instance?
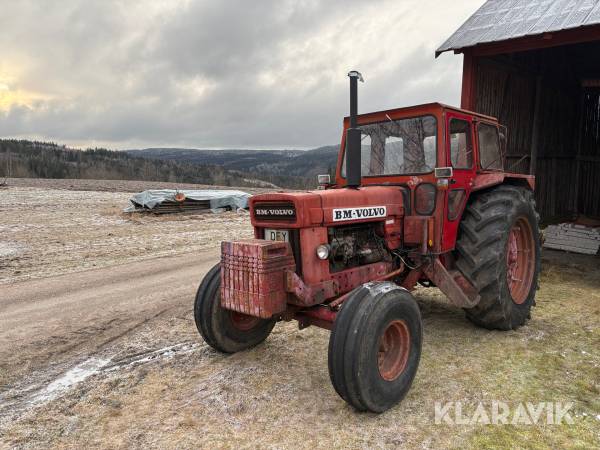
(60, 319)
(110, 357)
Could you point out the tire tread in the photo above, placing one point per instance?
(480, 254)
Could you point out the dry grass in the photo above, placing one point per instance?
(279, 394)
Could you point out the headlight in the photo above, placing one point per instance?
(323, 251)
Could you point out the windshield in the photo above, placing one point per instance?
(398, 147)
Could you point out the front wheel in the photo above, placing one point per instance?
(375, 346)
(224, 330)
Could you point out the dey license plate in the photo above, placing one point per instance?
(277, 235)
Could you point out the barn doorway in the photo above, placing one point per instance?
(550, 101)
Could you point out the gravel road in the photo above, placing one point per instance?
(64, 318)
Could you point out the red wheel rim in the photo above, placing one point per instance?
(243, 322)
(394, 347)
(520, 260)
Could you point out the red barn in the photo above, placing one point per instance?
(535, 64)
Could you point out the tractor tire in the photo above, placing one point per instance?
(498, 251)
(224, 330)
(375, 346)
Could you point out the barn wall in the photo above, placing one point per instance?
(558, 128)
(509, 96)
(538, 96)
(589, 155)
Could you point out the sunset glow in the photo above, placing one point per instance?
(10, 98)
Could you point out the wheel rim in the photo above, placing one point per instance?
(520, 260)
(243, 322)
(394, 346)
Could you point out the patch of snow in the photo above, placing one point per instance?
(8, 249)
(73, 376)
(36, 395)
(162, 353)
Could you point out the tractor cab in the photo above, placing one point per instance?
(433, 152)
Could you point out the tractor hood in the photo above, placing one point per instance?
(327, 207)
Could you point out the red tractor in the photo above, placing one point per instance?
(420, 197)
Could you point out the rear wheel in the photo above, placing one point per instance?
(224, 330)
(375, 346)
(498, 251)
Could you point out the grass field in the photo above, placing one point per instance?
(278, 395)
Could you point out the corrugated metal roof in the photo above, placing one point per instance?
(499, 20)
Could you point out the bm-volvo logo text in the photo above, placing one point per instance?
(274, 212)
(368, 212)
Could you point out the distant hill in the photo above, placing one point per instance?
(301, 167)
(27, 159)
(251, 168)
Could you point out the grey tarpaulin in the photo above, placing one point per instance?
(216, 198)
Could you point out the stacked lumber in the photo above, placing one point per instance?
(572, 237)
(184, 205)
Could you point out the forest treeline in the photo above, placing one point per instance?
(33, 159)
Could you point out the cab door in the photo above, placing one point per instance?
(460, 155)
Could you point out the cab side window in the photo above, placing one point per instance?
(461, 148)
(489, 147)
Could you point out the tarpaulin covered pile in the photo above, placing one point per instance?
(171, 200)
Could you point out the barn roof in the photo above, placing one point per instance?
(500, 20)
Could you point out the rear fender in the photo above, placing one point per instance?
(487, 180)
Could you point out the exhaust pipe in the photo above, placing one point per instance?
(353, 136)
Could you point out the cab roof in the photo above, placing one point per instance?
(426, 108)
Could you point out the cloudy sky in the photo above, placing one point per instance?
(216, 73)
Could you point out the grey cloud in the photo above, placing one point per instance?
(219, 73)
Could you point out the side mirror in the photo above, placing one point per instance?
(443, 172)
(323, 181)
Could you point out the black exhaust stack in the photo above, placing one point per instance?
(353, 135)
